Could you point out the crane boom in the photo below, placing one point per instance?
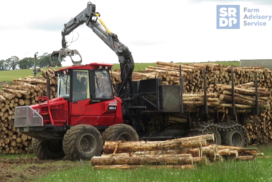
(90, 17)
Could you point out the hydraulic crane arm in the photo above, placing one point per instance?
(91, 18)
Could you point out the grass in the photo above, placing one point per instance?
(236, 171)
(13, 74)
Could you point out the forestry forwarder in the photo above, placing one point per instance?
(87, 112)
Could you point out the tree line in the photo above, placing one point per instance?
(14, 62)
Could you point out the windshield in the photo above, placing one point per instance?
(64, 86)
(103, 87)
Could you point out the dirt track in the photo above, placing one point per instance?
(27, 169)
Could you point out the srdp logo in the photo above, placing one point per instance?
(228, 17)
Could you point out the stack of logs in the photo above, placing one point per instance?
(182, 153)
(218, 81)
(23, 91)
(221, 97)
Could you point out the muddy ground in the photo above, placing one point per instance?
(28, 169)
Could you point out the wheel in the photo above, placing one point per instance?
(82, 142)
(51, 149)
(234, 138)
(217, 136)
(120, 132)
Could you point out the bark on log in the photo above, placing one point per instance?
(144, 154)
(245, 158)
(101, 167)
(110, 147)
(237, 100)
(195, 152)
(224, 152)
(141, 160)
(241, 151)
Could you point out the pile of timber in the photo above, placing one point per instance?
(218, 81)
(193, 75)
(221, 98)
(182, 153)
(23, 91)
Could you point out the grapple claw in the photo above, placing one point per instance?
(67, 52)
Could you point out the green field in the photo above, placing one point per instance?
(14, 74)
(11, 75)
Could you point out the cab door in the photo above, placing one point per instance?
(80, 91)
(102, 97)
(91, 98)
(81, 98)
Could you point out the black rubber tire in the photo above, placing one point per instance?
(78, 136)
(217, 136)
(48, 149)
(234, 138)
(120, 132)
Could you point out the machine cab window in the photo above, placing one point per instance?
(64, 85)
(103, 86)
(81, 88)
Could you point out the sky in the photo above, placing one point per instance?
(153, 30)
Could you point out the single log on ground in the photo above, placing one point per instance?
(119, 147)
(100, 167)
(245, 158)
(123, 147)
(139, 154)
(141, 160)
(260, 154)
(241, 151)
(195, 152)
